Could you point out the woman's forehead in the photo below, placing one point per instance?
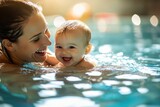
(35, 25)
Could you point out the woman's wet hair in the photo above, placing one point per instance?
(13, 16)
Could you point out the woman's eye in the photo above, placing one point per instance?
(36, 39)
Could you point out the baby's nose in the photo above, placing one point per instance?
(64, 52)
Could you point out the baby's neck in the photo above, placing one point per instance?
(80, 63)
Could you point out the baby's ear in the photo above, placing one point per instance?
(88, 48)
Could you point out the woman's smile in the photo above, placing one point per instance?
(41, 52)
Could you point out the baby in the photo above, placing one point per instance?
(72, 43)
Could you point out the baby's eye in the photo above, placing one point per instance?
(59, 47)
(72, 47)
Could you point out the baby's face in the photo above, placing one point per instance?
(70, 48)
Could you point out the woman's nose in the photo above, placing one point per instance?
(47, 41)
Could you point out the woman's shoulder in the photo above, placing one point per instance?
(0, 49)
(2, 57)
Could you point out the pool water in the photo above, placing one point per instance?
(127, 73)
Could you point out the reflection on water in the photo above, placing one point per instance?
(67, 101)
(105, 85)
(127, 75)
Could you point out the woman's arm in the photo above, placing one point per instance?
(6, 67)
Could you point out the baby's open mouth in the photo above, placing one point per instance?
(66, 59)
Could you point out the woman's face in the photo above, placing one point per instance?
(32, 45)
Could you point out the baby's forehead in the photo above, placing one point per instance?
(74, 34)
(68, 29)
(71, 36)
(64, 31)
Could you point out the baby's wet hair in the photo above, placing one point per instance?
(72, 25)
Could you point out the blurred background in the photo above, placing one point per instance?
(119, 7)
(108, 11)
(131, 23)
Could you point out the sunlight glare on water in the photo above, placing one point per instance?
(49, 76)
(70, 101)
(130, 76)
(94, 73)
(156, 80)
(83, 86)
(47, 93)
(142, 90)
(124, 90)
(111, 82)
(92, 93)
(148, 71)
(127, 82)
(72, 78)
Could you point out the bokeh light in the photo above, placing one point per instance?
(107, 21)
(105, 48)
(80, 11)
(58, 20)
(136, 20)
(154, 21)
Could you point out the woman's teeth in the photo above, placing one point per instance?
(42, 52)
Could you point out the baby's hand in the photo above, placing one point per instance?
(51, 59)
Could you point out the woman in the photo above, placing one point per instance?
(24, 35)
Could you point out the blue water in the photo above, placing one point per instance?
(127, 74)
